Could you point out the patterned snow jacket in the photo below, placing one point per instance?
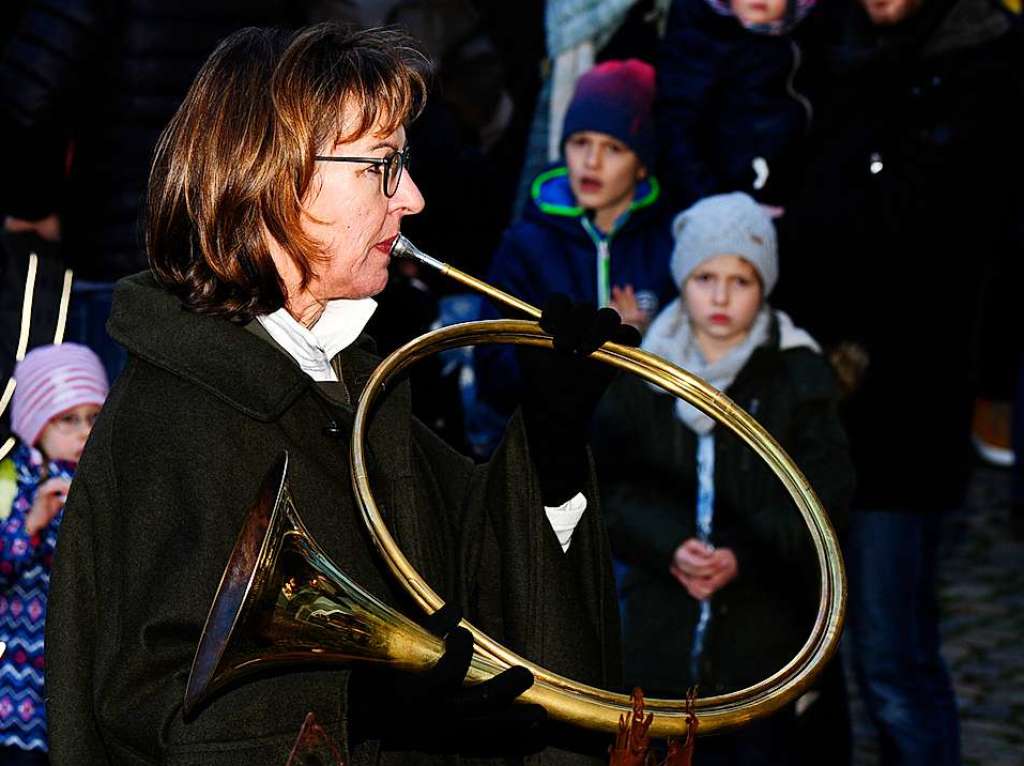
(24, 583)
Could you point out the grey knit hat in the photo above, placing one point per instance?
(726, 224)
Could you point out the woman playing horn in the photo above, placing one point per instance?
(276, 194)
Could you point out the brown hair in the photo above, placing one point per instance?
(236, 161)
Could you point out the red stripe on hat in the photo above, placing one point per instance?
(34, 398)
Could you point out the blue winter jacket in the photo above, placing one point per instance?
(555, 247)
(727, 96)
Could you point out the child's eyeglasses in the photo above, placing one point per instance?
(70, 422)
(393, 165)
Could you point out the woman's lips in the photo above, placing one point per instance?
(385, 245)
(719, 319)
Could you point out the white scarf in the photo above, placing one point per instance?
(671, 336)
(314, 348)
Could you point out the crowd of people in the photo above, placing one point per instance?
(852, 160)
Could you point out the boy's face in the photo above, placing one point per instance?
(723, 296)
(65, 434)
(758, 11)
(603, 172)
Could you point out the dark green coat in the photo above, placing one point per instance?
(647, 469)
(201, 412)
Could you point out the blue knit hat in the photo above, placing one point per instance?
(615, 97)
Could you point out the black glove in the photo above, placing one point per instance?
(563, 388)
(433, 710)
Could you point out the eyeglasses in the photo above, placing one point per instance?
(393, 165)
(70, 422)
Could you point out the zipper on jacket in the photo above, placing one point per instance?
(604, 261)
(791, 85)
(604, 264)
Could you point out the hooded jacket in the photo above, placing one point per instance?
(555, 248)
(203, 408)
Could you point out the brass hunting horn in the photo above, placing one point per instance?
(282, 601)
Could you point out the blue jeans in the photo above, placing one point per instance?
(893, 629)
(87, 324)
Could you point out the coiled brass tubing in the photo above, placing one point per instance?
(565, 699)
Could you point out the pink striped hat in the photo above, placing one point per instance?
(51, 380)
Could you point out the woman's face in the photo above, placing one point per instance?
(723, 296)
(347, 213)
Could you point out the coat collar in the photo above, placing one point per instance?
(213, 353)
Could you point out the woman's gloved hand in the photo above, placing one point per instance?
(562, 390)
(434, 707)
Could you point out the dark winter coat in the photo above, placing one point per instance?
(108, 74)
(551, 251)
(647, 462)
(202, 410)
(726, 96)
(912, 196)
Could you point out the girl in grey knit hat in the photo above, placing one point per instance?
(726, 263)
(718, 589)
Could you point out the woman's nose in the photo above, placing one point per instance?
(407, 200)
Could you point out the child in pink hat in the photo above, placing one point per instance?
(58, 394)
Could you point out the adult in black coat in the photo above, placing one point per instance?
(911, 199)
(86, 86)
(270, 222)
(108, 74)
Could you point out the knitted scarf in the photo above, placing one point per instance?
(671, 336)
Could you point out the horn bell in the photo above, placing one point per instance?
(282, 601)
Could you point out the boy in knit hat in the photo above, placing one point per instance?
(58, 394)
(594, 228)
(720, 581)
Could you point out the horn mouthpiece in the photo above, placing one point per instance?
(403, 248)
